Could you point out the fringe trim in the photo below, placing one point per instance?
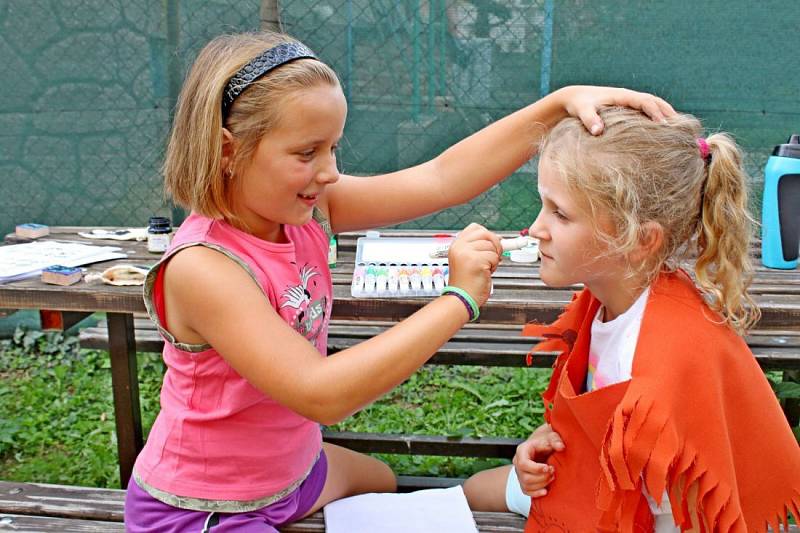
(641, 444)
(560, 336)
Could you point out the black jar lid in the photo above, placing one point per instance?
(790, 149)
(160, 223)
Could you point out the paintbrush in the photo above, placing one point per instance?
(508, 245)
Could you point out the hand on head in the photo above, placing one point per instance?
(473, 257)
(583, 102)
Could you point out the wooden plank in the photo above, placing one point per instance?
(412, 483)
(61, 500)
(501, 345)
(45, 524)
(507, 306)
(310, 524)
(779, 311)
(45, 507)
(498, 447)
(486, 522)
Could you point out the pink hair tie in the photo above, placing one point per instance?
(703, 146)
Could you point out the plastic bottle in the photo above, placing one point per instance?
(780, 213)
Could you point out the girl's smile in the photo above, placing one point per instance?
(309, 199)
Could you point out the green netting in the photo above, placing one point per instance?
(89, 84)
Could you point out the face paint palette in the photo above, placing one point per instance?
(399, 267)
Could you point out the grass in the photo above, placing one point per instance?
(56, 410)
(456, 401)
(57, 415)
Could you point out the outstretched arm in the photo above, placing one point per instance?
(474, 164)
(231, 314)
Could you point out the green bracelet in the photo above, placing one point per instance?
(472, 307)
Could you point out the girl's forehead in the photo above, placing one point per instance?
(549, 180)
(317, 110)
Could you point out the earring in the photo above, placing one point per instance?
(229, 173)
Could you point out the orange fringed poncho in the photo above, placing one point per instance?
(698, 418)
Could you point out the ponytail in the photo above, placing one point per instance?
(724, 230)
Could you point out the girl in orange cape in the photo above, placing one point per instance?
(657, 416)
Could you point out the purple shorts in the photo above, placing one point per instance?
(145, 514)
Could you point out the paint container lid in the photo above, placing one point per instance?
(159, 225)
(529, 254)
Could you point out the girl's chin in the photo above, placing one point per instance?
(303, 218)
(553, 279)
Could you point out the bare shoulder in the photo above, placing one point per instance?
(202, 271)
(198, 262)
(198, 283)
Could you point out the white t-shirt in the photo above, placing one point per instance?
(610, 361)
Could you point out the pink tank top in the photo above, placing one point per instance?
(217, 437)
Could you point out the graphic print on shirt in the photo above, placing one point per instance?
(594, 379)
(309, 314)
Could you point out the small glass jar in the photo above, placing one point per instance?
(159, 231)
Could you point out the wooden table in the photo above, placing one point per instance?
(519, 296)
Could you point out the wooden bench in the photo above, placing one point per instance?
(29, 507)
(40, 507)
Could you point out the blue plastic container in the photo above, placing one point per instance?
(780, 215)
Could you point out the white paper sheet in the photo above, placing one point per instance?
(20, 261)
(423, 511)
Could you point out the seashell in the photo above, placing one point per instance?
(122, 275)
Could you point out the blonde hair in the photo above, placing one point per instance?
(193, 171)
(639, 171)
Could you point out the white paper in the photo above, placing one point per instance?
(423, 511)
(139, 234)
(20, 261)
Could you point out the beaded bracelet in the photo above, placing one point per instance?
(472, 307)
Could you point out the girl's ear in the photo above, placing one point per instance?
(228, 149)
(650, 241)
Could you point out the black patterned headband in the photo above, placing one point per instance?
(260, 65)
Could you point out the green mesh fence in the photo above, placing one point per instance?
(87, 94)
(89, 84)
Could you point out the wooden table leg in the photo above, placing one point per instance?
(124, 380)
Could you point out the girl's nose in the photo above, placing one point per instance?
(328, 173)
(537, 230)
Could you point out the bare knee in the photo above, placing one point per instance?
(358, 473)
(386, 477)
(486, 490)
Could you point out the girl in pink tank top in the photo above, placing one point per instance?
(243, 296)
